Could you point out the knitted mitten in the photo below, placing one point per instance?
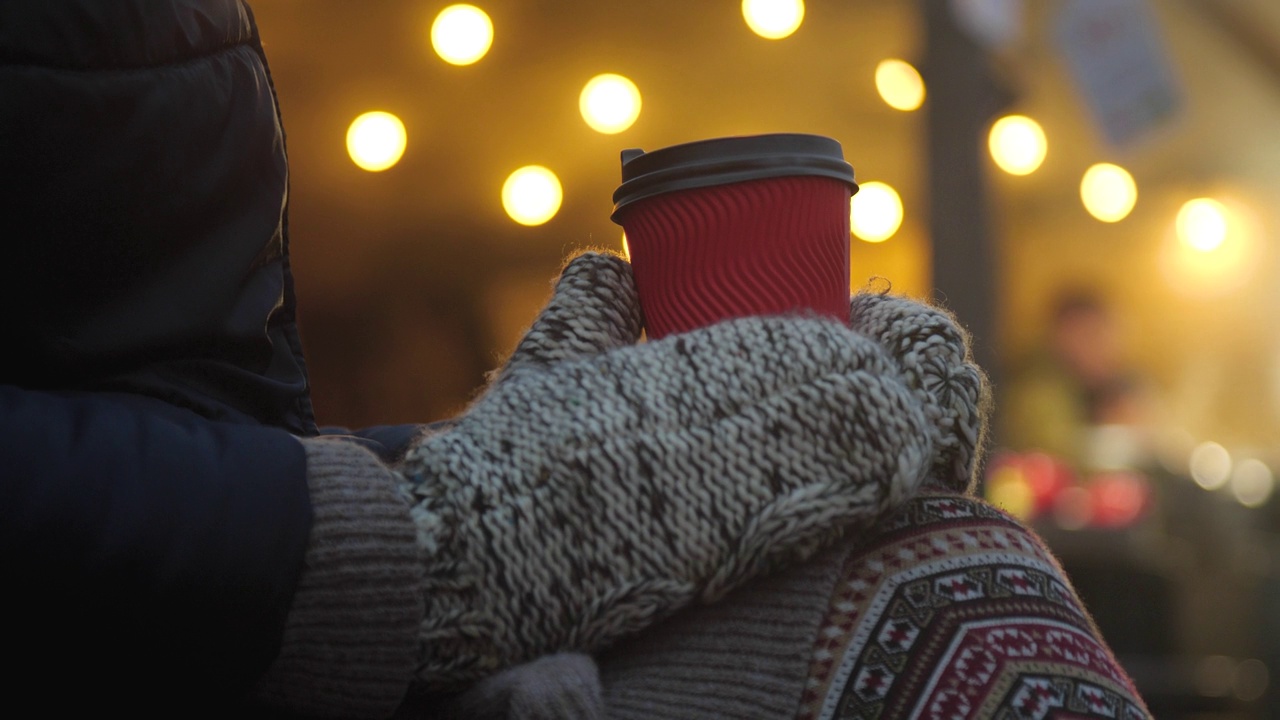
(348, 646)
(565, 686)
(599, 485)
(932, 353)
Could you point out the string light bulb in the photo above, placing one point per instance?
(532, 195)
(773, 19)
(875, 213)
(1108, 192)
(900, 84)
(462, 34)
(1202, 224)
(376, 140)
(1017, 144)
(609, 103)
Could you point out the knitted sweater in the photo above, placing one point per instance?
(950, 609)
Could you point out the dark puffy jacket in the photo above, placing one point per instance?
(153, 501)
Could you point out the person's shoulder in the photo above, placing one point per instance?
(970, 550)
(953, 603)
(938, 513)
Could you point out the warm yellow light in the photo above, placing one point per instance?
(1252, 483)
(376, 141)
(461, 34)
(1210, 465)
(1202, 224)
(609, 103)
(626, 247)
(1008, 489)
(773, 19)
(1108, 192)
(875, 213)
(532, 195)
(899, 84)
(1213, 248)
(1017, 144)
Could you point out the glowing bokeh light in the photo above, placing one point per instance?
(609, 103)
(1210, 465)
(875, 213)
(461, 34)
(1073, 508)
(1017, 144)
(1251, 680)
(773, 19)
(532, 195)
(1252, 483)
(376, 141)
(1213, 248)
(1202, 224)
(1118, 498)
(1047, 476)
(899, 84)
(1008, 489)
(1108, 192)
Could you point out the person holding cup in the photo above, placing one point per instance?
(934, 611)
(180, 534)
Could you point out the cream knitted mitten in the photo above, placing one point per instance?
(932, 352)
(599, 485)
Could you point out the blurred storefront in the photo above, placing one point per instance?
(1134, 162)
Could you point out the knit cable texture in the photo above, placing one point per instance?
(933, 353)
(600, 485)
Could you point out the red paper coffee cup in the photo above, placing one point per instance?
(737, 226)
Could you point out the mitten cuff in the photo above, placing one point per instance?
(745, 656)
(350, 643)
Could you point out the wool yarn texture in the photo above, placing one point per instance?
(599, 485)
(565, 686)
(934, 356)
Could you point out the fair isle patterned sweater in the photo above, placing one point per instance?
(948, 610)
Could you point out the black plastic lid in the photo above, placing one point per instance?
(721, 161)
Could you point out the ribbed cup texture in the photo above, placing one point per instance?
(761, 247)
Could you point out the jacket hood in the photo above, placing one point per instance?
(147, 186)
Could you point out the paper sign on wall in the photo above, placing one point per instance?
(1115, 55)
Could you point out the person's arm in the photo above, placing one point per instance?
(154, 556)
(148, 542)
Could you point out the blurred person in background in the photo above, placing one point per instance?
(1076, 380)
